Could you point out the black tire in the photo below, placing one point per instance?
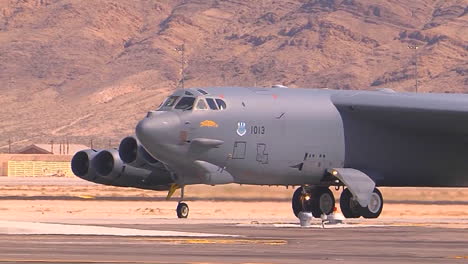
(322, 202)
(375, 206)
(349, 207)
(298, 201)
(182, 210)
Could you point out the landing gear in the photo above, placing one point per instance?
(351, 208)
(299, 201)
(375, 206)
(182, 210)
(318, 201)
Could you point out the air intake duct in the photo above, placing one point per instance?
(132, 152)
(81, 164)
(109, 165)
(105, 167)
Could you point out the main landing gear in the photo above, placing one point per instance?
(317, 200)
(182, 208)
(320, 200)
(352, 209)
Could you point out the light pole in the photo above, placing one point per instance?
(415, 48)
(181, 50)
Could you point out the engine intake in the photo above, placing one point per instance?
(108, 164)
(132, 152)
(106, 167)
(81, 164)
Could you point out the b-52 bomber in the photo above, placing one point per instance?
(310, 138)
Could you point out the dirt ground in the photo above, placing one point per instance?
(60, 209)
(36, 199)
(75, 187)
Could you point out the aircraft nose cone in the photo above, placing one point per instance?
(158, 128)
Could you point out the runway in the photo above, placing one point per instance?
(49, 220)
(228, 241)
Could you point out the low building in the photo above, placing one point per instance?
(56, 149)
(39, 160)
(35, 165)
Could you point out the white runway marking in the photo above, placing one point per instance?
(34, 228)
(312, 225)
(327, 226)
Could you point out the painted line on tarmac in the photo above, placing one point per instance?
(65, 261)
(35, 228)
(312, 225)
(326, 226)
(86, 197)
(69, 261)
(229, 241)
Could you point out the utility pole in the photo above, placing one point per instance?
(52, 146)
(9, 146)
(415, 48)
(181, 50)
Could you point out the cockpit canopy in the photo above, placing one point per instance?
(190, 99)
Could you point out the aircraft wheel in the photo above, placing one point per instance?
(299, 201)
(182, 210)
(349, 207)
(375, 206)
(322, 201)
(315, 200)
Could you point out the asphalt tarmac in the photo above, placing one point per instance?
(228, 241)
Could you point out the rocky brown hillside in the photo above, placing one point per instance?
(90, 69)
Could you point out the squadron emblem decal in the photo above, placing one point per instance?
(241, 128)
(208, 123)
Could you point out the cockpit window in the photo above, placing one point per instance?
(202, 91)
(221, 104)
(201, 105)
(170, 101)
(212, 104)
(186, 103)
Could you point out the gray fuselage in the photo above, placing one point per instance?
(280, 136)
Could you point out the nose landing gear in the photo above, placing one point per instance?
(182, 208)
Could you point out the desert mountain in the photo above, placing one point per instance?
(86, 70)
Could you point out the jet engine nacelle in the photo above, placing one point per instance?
(81, 164)
(133, 153)
(108, 165)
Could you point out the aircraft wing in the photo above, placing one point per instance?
(427, 113)
(406, 139)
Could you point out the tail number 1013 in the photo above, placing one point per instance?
(257, 130)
